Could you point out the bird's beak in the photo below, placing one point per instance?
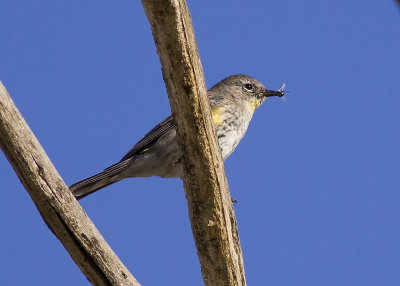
(280, 92)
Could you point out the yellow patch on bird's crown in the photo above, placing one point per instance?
(216, 114)
(254, 104)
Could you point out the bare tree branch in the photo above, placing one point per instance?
(57, 206)
(211, 214)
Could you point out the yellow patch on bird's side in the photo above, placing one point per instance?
(254, 104)
(216, 114)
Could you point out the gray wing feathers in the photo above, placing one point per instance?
(110, 175)
(151, 136)
(162, 128)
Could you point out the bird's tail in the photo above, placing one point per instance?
(94, 183)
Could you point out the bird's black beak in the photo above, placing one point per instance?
(280, 92)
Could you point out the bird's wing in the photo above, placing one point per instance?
(161, 129)
(151, 136)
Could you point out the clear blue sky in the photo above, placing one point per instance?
(316, 177)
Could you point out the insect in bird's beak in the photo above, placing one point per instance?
(280, 92)
(281, 89)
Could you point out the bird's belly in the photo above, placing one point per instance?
(229, 137)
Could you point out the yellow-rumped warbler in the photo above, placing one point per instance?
(233, 102)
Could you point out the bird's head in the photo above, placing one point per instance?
(247, 89)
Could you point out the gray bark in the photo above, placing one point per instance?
(55, 203)
(213, 220)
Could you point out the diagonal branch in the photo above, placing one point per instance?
(210, 210)
(57, 206)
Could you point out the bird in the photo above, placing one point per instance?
(233, 101)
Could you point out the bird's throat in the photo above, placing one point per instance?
(255, 103)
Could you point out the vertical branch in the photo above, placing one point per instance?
(210, 210)
(57, 206)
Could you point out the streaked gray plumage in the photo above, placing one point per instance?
(233, 102)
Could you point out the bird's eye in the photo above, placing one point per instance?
(248, 86)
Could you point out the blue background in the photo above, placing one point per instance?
(316, 177)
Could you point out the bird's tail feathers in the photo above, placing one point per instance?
(94, 183)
